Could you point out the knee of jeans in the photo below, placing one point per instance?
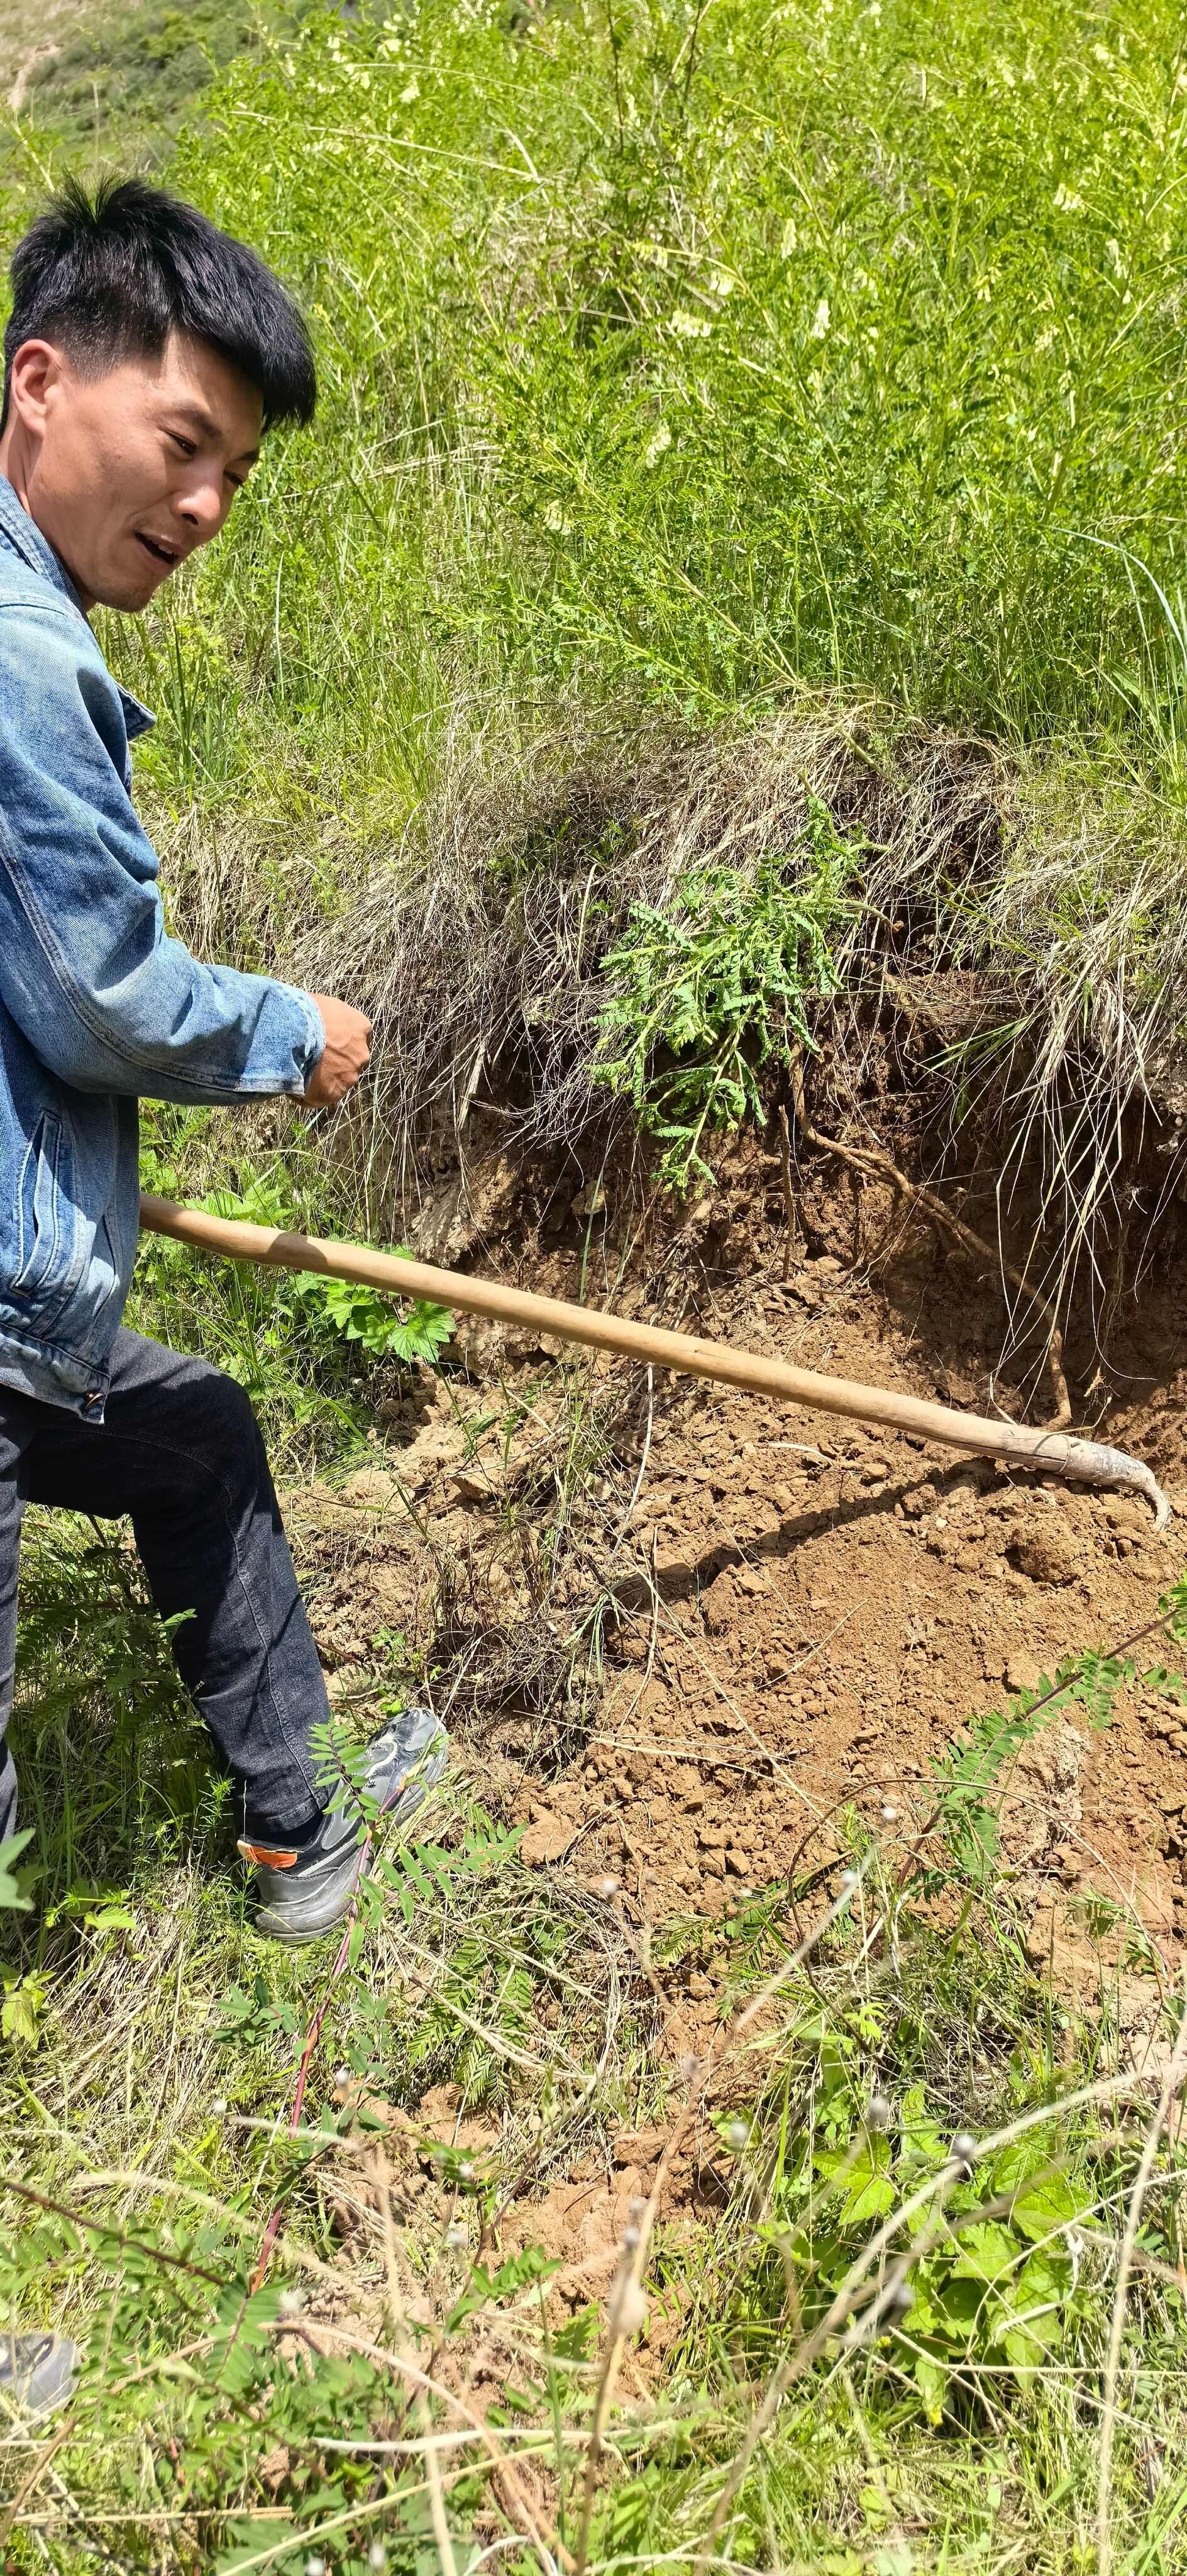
(225, 1423)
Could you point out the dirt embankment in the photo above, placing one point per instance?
(680, 1631)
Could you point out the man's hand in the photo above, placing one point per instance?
(346, 1053)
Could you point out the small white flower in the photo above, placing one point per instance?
(788, 239)
(291, 2302)
(555, 519)
(412, 91)
(737, 2136)
(607, 1886)
(377, 2554)
(690, 326)
(661, 438)
(220, 2106)
(820, 321)
(1067, 200)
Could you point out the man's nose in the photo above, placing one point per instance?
(203, 505)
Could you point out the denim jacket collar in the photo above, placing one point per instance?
(22, 533)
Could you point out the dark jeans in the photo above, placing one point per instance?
(180, 1452)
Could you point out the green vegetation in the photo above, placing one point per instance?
(739, 556)
(720, 371)
(309, 1351)
(908, 2197)
(102, 83)
(719, 359)
(717, 983)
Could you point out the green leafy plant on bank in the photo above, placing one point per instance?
(12, 1893)
(996, 2285)
(357, 1313)
(716, 986)
(306, 1348)
(968, 1772)
(339, 1309)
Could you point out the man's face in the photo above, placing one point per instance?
(129, 472)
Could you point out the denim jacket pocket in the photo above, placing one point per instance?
(44, 1212)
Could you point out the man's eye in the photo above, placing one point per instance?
(186, 445)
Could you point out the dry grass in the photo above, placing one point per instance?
(1017, 927)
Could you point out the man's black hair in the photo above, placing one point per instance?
(110, 276)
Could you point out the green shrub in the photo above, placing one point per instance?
(714, 986)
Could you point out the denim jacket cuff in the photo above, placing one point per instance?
(309, 1054)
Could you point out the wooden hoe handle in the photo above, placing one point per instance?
(1054, 1453)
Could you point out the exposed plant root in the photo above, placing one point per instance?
(788, 1192)
(869, 1159)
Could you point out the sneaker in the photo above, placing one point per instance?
(306, 1888)
(36, 2373)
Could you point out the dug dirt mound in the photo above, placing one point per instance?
(686, 1638)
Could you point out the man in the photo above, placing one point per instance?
(146, 356)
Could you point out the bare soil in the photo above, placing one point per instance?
(796, 1615)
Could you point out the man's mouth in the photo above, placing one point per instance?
(159, 548)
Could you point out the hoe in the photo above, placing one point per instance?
(1051, 1453)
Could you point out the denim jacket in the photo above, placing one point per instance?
(98, 1006)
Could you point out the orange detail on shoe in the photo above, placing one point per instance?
(265, 1857)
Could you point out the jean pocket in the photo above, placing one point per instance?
(43, 1240)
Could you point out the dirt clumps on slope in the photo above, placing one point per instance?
(782, 1617)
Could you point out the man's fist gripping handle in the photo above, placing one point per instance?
(346, 1053)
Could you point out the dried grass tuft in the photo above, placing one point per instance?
(1012, 909)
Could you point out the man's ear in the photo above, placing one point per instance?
(37, 374)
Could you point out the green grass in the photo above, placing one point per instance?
(149, 2089)
(704, 370)
(706, 363)
(708, 372)
(102, 83)
(717, 359)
